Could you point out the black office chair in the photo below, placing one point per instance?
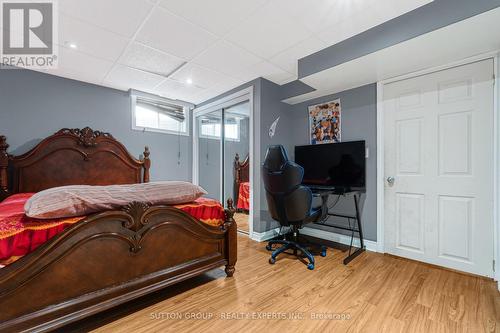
(288, 201)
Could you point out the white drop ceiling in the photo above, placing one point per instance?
(453, 43)
(156, 45)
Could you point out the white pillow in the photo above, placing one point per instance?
(79, 200)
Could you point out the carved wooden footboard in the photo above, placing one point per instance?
(108, 258)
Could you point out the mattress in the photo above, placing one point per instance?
(20, 235)
(244, 196)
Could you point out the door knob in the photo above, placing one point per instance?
(391, 180)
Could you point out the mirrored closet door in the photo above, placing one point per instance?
(222, 156)
(210, 153)
(236, 160)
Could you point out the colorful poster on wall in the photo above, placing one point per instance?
(325, 122)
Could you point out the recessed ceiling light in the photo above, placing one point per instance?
(71, 45)
(189, 80)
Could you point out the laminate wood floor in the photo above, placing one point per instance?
(374, 293)
(242, 222)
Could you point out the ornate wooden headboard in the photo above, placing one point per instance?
(71, 157)
(241, 173)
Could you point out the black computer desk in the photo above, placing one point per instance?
(325, 193)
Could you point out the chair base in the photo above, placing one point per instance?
(295, 246)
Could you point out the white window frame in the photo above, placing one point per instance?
(204, 136)
(186, 106)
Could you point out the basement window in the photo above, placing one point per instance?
(159, 115)
(212, 130)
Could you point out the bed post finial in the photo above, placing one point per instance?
(231, 238)
(237, 167)
(4, 163)
(236, 161)
(146, 164)
(230, 209)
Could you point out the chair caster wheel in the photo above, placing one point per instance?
(269, 247)
(310, 267)
(323, 253)
(272, 261)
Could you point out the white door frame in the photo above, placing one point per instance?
(496, 168)
(224, 102)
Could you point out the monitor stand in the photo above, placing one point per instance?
(325, 193)
(319, 189)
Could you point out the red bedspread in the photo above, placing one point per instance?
(244, 196)
(20, 235)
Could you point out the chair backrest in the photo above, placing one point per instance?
(288, 201)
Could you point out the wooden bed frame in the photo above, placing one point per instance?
(241, 175)
(108, 258)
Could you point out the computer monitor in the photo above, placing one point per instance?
(337, 165)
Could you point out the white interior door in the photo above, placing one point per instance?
(439, 167)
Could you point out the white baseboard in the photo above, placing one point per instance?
(264, 236)
(338, 238)
(330, 236)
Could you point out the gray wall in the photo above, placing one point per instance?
(359, 122)
(35, 105)
(272, 108)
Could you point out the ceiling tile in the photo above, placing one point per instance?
(91, 78)
(379, 12)
(260, 38)
(226, 86)
(356, 24)
(82, 64)
(91, 39)
(389, 9)
(269, 71)
(318, 15)
(196, 98)
(288, 59)
(174, 35)
(204, 96)
(79, 66)
(124, 77)
(227, 58)
(203, 77)
(293, 78)
(145, 58)
(268, 32)
(207, 95)
(217, 16)
(177, 90)
(120, 16)
(400, 7)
